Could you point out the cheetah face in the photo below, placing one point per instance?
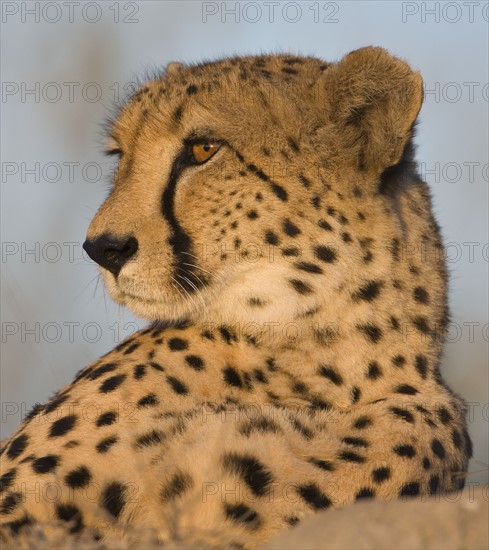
(218, 197)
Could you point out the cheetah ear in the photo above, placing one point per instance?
(173, 68)
(374, 99)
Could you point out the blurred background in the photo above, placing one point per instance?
(65, 64)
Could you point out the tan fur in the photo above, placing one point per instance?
(311, 302)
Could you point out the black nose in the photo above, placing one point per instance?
(111, 252)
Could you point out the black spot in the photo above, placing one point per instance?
(131, 348)
(316, 201)
(403, 414)
(365, 493)
(374, 372)
(45, 464)
(421, 323)
(176, 385)
(433, 484)
(323, 464)
(318, 403)
(177, 344)
(195, 362)
(355, 394)
(290, 251)
(308, 267)
(395, 248)
(106, 419)
(151, 438)
(16, 526)
(71, 514)
(457, 439)
(421, 295)
(438, 449)
(252, 214)
(313, 496)
(227, 334)
(293, 144)
(426, 463)
(331, 374)
(280, 192)
(56, 402)
(112, 383)
(394, 323)
(406, 389)
(105, 444)
(381, 474)
(299, 427)
(409, 489)
(300, 286)
(177, 113)
(98, 372)
(156, 366)
(355, 441)
(260, 376)
(407, 451)
(62, 426)
(468, 444)
(251, 470)
(323, 224)
(299, 387)
(369, 291)
(78, 478)
(258, 425)
(350, 456)
(346, 237)
(362, 422)
(36, 409)
(305, 181)
(113, 498)
(290, 228)
(444, 415)
(192, 89)
(271, 238)
(242, 513)
(291, 520)
(7, 479)
(149, 400)
(10, 503)
(372, 333)
(139, 371)
(325, 254)
(398, 360)
(17, 446)
(232, 377)
(178, 484)
(421, 365)
(271, 364)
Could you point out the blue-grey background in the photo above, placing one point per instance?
(63, 65)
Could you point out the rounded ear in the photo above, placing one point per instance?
(173, 68)
(374, 99)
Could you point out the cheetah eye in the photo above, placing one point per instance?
(202, 152)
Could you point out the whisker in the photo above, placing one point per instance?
(198, 267)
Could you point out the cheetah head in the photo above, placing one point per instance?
(253, 181)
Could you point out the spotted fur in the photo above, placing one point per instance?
(296, 289)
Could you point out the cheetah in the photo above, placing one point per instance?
(267, 219)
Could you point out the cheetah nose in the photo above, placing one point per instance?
(111, 252)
